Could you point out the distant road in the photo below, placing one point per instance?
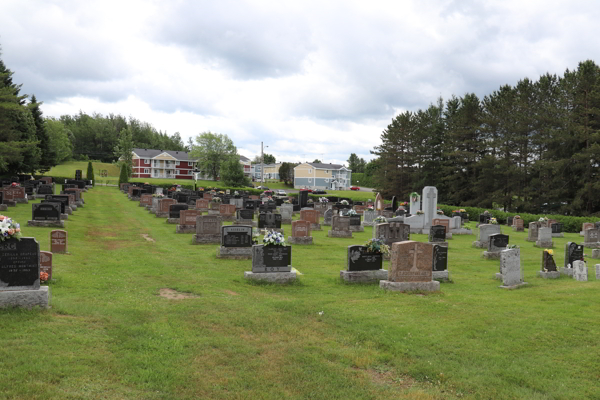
(362, 189)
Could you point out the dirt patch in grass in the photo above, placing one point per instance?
(147, 237)
(390, 379)
(175, 295)
(231, 293)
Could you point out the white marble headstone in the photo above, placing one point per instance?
(510, 267)
(580, 272)
(429, 204)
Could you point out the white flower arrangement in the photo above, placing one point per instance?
(273, 238)
(323, 199)
(9, 229)
(543, 219)
(351, 212)
(380, 220)
(344, 202)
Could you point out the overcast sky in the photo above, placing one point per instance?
(311, 79)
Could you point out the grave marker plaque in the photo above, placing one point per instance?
(46, 263)
(45, 212)
(411, 262)
(301, 228)
(188, 217)
(437, 233)
(271, 258)
(573, 252)
(359, 259)
(440, 258)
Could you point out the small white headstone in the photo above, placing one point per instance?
(429, 204)
(580, 272)
(510, 267)
(597, 271)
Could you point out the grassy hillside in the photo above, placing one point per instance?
(67, 169)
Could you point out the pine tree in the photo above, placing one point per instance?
(123, 177)
(90, 173)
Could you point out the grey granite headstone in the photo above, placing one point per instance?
(485, 231)
(328, 216)
(580, 272)
(510, 268)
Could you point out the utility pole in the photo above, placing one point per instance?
(262, 168)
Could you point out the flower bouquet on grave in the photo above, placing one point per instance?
(414, 196)
(377, 246)
(543, 219)
(551, 254)
(404, 203)
(370, 208)
(236, 193)
(43, 277)
(216, 200)
(160, 196)
(344, 202)
(420, 212)
(323, 199)
(440, 212)
(9, 229)
(15, 184)
(462, 210)
(351, 213)
(516, 217)
(221, 192)
(201, 189)
(273, 238)
(286, 202)
(380, 220)
(493, 221)
(309, 201)
(255, 235)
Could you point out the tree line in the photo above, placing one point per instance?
(533, 147)
(31, 143)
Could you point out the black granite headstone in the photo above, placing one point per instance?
(548, 262)
(556, 227)
(575, 253)
(437, 233)
(45, 211)
(497, 241)
(394, 204)
(269, 220)
(245, 214)
(361, 260)
(63, 199)
(45, 189)
(303, 198)
(440, 258)
(484, 219)
(236, 236)
(175, 209)
(355, 220)
(20, 264)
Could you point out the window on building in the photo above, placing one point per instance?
(310, 171)
(177, 163)
(190, 164)
(177, 172)
(146, 171)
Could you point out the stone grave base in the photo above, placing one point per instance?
(247, 222)
(79, 203)
(185, 229)
(22, 201)
(25, 298)
(513, 286)
(357, 228)
(368, 223)
(214, 212)
(544, 245)
(480, 245)
(73, 207)
(558, 235)
(68, 210)
(596, 253)
(566, 271)
(235, 253)
(591, 245)
(491, 255)
(443, 276)
(364, 276)
(64, 216)
(274, 277)
(530, 240)
(3, 207)
(162, 214)
(173, 221)
(287, 221)
(516, 229)
(448, 236)
(462, 231)
(135, 198)
(498, 276)
(207, 239)
(142, 205)
(227, 218)
(432, 286)
(340, 234)
(47, 224)
(300, 240)
(10, 203)
(549, 274)
(443, 244)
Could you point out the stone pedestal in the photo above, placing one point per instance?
(207, 239)
(10, 203)
(317, 227)
(340, 234)
(443, 276)
(3, 207)
(432, 286)
(558, 235)
(246, 222)
(513, 286)
(491, 255)
(357, 228)
(591, 245)
(596, 253)
(25, 298)
(273, 277)
(47, 224)
(479, 245)
(185, 229)
(173, 221)
(64, 216)
(235, 253)
(549, 274)
(364, 276)
(22, 201)
(566, 271)
(544, 244)
(162, 214)
(73, 207)
(300, 240)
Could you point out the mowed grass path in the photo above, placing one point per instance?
(110, 335)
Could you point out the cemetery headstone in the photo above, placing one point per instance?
(46, 214)
(368, 217)
(236, 242)
(174, 212)
(557, 229)
(187, 221)
(58, 241)
(437, 233)
(313, 217)
(440, 263)
(532, 233)
(591, 238)
(286, 214)
(497, 243)
(518, 225)
(164, 206)
(510, 268)
(46, 263)
(484, 235)
(301, 233)
(363, 266)
(548, 270)
(573, 252)
(391, 232)
(270, 221)
(340, 227)
(580, 271)
(430, 194)
(208, 229)
(544, 238)
(411, 268)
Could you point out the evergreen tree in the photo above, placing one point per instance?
(232, 173)
(48, 157)
(90, 173)
(123, 177)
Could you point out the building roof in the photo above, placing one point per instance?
(326, 166)
(244, 159)
(151, 153)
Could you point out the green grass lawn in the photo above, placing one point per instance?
(109, 335)
(68, 168)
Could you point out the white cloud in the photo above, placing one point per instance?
(310, 79)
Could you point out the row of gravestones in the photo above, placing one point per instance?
(22, 262)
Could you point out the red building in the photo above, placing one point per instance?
(148, 163)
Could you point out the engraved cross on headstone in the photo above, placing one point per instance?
(431, 195)
(415, 252)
